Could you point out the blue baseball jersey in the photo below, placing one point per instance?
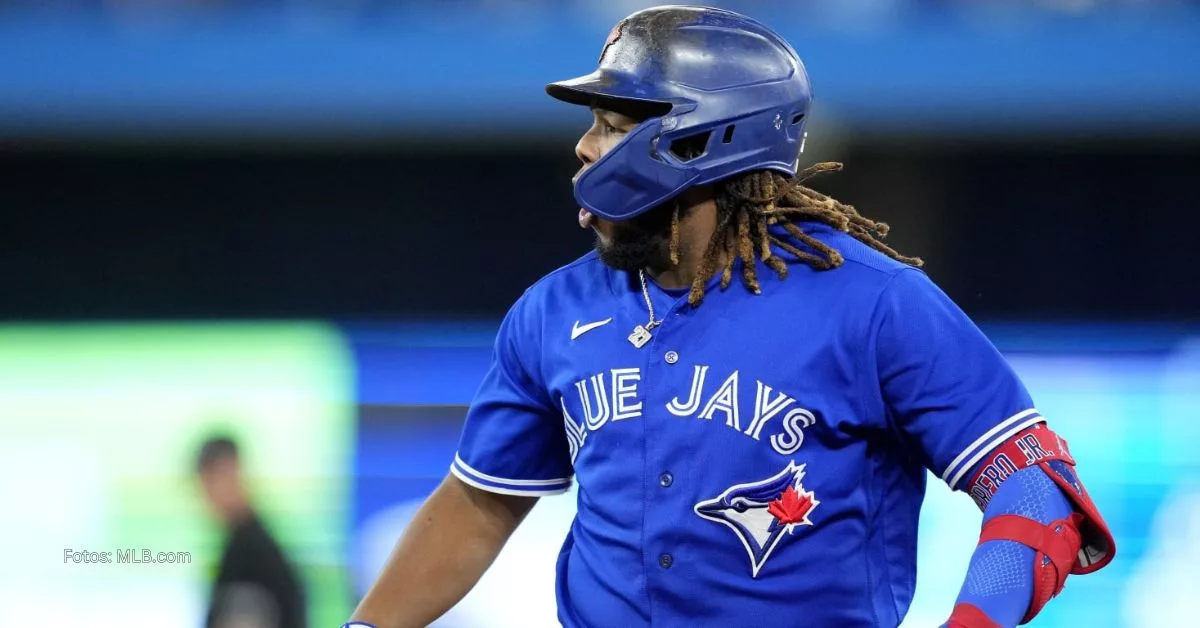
(761, 458)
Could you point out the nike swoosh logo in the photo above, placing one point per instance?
(578, 330)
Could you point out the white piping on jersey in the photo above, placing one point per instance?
(986, 435)
(578, 330)
(528, 492)
(491, 478)
(1014, 424)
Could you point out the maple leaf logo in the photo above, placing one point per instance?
(792, 507)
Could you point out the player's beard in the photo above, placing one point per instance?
(643, 242)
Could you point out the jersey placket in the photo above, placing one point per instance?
(661, 358)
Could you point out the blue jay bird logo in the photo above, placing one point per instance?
(762, 513)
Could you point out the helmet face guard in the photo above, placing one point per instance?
(736, 94)
(633, 176)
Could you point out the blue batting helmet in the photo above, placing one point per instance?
(725, 82)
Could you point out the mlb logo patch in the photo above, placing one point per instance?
(763, 513)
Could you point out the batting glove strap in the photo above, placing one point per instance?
(357, 624)
(1057, 546)
(969, 616)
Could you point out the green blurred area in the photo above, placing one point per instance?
(99, 426)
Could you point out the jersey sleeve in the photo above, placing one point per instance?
(513, 441)
(948, 390)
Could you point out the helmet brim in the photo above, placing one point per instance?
(607, 87)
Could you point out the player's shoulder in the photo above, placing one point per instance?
(568, 291)
(585, 272)
(859, 256)
(881, 281)
(864, 270)
(586, 267)
(569, 282)
(855, 289)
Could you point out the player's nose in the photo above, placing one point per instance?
(587, 150)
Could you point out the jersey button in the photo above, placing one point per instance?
(665, 561)
(665, 480)
(671, 357)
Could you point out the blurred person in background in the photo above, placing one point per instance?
(255, 585)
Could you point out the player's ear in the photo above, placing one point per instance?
(697, 195)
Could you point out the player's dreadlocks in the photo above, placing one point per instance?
(749, 204)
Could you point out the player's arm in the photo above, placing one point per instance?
(452, 540)
(513, 450)
(1039, 526)
(952, 395)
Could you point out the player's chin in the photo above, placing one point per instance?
(631, 255)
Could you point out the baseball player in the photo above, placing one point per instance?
(745, 383)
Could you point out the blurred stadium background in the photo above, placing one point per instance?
(300, 221)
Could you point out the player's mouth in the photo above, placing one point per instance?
(585, 218)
